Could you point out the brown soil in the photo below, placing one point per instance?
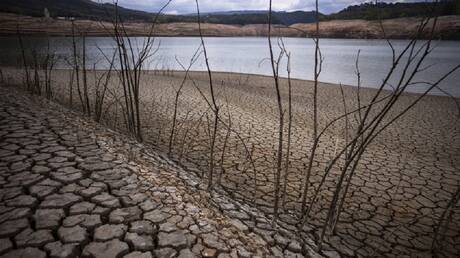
(448, 28)
(400, 188)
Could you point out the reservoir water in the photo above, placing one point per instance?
(250, 55)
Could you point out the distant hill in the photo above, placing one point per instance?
(375, 11)
(81, 9)
(289, 18)
(259, 17)
(86, 9)
(245, 17)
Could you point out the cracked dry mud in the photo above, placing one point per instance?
(67, 189)
(400, 189)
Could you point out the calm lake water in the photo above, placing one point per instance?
(249, 55)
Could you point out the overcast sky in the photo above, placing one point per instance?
(188, 6)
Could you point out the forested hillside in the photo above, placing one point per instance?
(81, 9)
(245, 17)
(375, 11)
(86, 9)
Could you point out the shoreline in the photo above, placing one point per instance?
(105, 35)
(253, 76)
(41, 35)
(448, 28)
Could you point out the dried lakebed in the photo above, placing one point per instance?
(400, 189)
(68, 188)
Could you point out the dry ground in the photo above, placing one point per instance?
(68, 188)
(448, 27)
(400, 188)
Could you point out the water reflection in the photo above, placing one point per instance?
(247, 55)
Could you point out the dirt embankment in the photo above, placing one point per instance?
(448, 27)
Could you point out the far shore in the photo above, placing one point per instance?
(448, 28)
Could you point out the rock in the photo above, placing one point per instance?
(30, 238)
(24, 179)
(243, 253)
(20, 166)
(10, 192)
(237, 214)
(90, 166)
(53, 149)
(208, 252)
(331, 254)
(110, 249)
(41, 191)
(148, 205)
(23, 201)
(28, 252)
(66, 154)
(106, 200)
(239, 225)
(67, 175)
(191, 209)
(187, 222)
(186, 253)
(125, 215)
(280, 240)
(175, 239)
(12, 227)
(139, 242)
(71, 188)
(75, 234)
(41, 157)
(81, 208)
(56, 165)
(109, 232)
(142, 227)
(266, 235)
(168, 227)
(289, 254)
(84, 220)
(212, 241)
(14, 213)
(60, 200)
(156, 216)
(277, 252)
(91, 191)
(40, 169)
(48, 218)
(5, 245)
(139, 255)
(58, 250)
(294, 246)
(165, 252)
(133, 199)
(103, 211)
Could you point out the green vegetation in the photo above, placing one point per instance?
(375, 11)
(242, 18)
(86, 9)
(80, 9)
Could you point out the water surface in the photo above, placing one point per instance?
(250, 55)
